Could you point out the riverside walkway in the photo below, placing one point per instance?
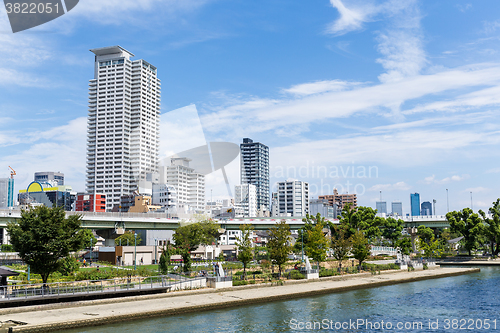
(92, 313)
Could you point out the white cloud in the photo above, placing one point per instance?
(129, 11)
(255, 115)
(399, 186)
(350, 18)
(455, 178)
(64, 145)
(478, 189)
(318, 87)
(464, 8)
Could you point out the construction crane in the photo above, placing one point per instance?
(12, 173)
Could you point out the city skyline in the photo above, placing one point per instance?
(327, 86)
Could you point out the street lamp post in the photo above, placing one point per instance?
(447, 201)
(135, 250)
(90, 251)
(302, 235)
(156, 262)
(471, 207)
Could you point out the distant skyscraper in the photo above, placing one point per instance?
(381, 207)
(6, 192)
(415, 204)
(42, 177)
(255, 169)
(426, 208)
(123, 124)
(397, 208)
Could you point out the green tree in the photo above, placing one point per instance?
(69, 265)
(467, 224)
(492, 227)
(361, 248)
(392, 229)
(43, 237)
(341, 245)
(245, 246)
(187, 238)
(128, 239)
(404, 245)
(166, 253)
(425, 233)
(317, 242)
(279, 244)
(89, 238)
(361, 218)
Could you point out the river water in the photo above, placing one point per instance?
(455, 304)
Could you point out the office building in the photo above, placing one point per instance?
(6, 192)
(381, 207)
(50, 196)
(340, 199)
(90, 203)
(397, 208)
(322, 207)
(123, 124)
(415, 204)
(187, 182)
(57, 178)
(255, 170)
(245, 200)
(426, 208)
(292, 198)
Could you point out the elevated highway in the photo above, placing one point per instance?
(162, 221)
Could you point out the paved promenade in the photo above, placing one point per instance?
(89, 313)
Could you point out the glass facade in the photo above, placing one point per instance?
(415, 204)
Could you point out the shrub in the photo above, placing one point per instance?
(69, 265)
(255, 272)
(296, 275)
(239, 283)
(7, 248)
(251, 281)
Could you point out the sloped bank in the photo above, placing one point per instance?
(118, 310)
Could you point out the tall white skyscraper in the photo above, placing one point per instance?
(245, 198)
(123, 123)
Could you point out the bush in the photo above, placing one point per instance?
(328, 272)
(255, 272)
(251, 281)
(69, 265)
(238, 273)
(296, 275)
(7, 248)
(240, 283)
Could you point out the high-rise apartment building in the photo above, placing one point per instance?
(340, 200)
(245, 200)
(123, 124)
(293, 198)
(415, 204)
(255, 169)
(381, 207)
(187, 183)
(397, 208)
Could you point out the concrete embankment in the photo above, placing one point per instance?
(92, 313)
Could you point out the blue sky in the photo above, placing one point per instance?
(406, 89)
